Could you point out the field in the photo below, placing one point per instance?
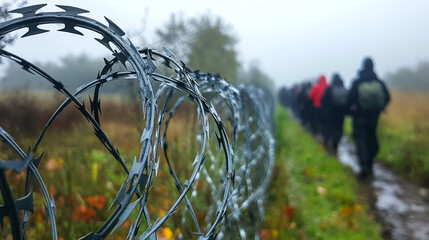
(310, 197)
(82, 175)
(404, 135)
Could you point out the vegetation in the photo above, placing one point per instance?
(254, 75)
(175, 35)
(403, 134)
(6, 6)
(82, 176)
(212, 48)
(311, 196)
(205, 42)
(73, 70)
(406, 79)
(208, 43)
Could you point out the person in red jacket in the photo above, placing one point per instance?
(316, 94)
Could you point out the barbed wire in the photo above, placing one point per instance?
(237, 174)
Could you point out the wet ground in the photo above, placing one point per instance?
(400, 205)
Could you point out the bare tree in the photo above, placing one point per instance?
(4, 15)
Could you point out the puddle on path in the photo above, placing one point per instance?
(401, 206)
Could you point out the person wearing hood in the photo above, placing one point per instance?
(316, 94)
(334, 106)
(305, 104)
(367, 98)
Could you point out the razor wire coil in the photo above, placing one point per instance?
(238, 177)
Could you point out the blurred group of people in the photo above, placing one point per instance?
(322, 106)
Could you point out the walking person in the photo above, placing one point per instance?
(367, 98)
(305, 105)
(334, 105)
(316, 93)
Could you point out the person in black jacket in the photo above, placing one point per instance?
(334, 101)
(366, 100)
(305, 104)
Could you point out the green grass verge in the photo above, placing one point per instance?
(405, 149)
(312, 194)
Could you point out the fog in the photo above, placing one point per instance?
(292, 40)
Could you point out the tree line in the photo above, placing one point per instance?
(410, 79)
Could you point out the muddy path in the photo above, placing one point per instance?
(400, 205)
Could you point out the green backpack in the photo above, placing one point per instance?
(371, 96)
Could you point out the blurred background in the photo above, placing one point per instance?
(270, 43)
(287, 41)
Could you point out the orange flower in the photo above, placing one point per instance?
(96, 201)
(166, 203)
(275, 233)
(83, 213)
(346, 211)
(52, 164)
(165, 234)
(161, 212)
(126, 224)
(288, 211)
(357, 208)
(265, 234)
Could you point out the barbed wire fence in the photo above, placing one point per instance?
(237, 175)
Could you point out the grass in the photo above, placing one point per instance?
(312, 195)
(83, 177)
(403, 134)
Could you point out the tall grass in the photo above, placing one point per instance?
(82, 176)
(404, 134)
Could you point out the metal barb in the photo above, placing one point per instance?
(115, 27)
(29, 11)
(236, 174)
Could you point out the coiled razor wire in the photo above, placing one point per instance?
(237, 181)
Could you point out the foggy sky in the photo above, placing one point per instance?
(292, 39)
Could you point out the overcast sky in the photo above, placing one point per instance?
(292, 39)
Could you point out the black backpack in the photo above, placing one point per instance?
(339, 96)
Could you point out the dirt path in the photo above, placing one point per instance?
(401, 206)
